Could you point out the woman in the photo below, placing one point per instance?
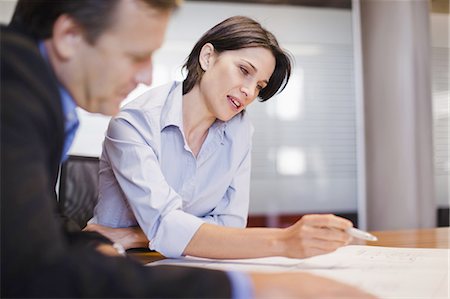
(176, 161)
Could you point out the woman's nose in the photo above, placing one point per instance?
(248, 92)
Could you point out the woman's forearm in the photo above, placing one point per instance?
(214, 241)
(311, 235)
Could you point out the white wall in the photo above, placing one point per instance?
(304, 156)
(310, 140)
(440, 34)
(6, 10)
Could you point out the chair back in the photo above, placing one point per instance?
(78, 188)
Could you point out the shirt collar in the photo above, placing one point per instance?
(172, 113)
(68, 104)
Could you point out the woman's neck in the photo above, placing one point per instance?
(197, 120)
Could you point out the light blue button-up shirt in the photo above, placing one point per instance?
(71, 122)
(149, 176)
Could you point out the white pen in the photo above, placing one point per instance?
(357, 233)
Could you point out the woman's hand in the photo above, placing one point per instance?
(314, 235)
(128, 237)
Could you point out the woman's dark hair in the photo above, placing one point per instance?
(236, 33)
(95, 16)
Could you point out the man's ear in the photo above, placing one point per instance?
(67, 36)
(206, 56)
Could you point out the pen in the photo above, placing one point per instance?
(357, 233)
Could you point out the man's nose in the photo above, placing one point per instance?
(144, 75)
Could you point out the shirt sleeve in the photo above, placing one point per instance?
(241, 285)
(156, 206)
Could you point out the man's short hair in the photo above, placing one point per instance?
(95, 16)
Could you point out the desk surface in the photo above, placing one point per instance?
(415, 238)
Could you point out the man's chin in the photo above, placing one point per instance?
(109, 108)
(109, 111)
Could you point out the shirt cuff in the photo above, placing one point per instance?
(241, 285)
(174, 233)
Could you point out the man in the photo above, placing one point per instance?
(57, 55)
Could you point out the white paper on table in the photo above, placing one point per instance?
(388, 272)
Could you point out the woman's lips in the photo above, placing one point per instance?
(234, 102)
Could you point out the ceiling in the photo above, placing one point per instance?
(346, 4)
(440, 6)
(437, 6)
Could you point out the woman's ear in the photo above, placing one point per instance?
(206, 56)
(66, 37)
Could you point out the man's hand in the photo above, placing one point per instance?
(128, 237)
(110, 250)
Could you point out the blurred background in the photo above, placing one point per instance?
(366, 74)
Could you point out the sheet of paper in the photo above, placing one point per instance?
(394, 273)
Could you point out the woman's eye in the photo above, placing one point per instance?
(243, 70)
(259, 87)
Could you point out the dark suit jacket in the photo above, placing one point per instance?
(39, 258)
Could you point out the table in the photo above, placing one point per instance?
(415, 238)
(144, 255)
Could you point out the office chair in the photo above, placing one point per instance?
(78, 189)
